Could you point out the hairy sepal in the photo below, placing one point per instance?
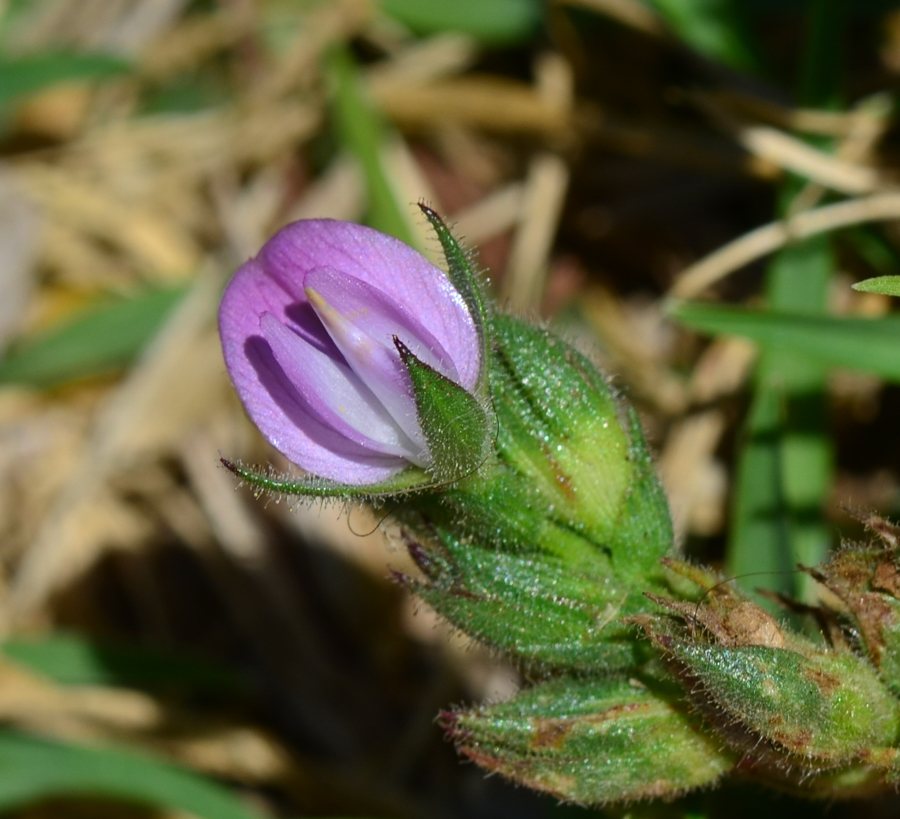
(268, 481)
(456, 426)
(783, 700)
(467, 282)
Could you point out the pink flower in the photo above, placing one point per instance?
(309, 331)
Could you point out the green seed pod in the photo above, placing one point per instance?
(591, 741)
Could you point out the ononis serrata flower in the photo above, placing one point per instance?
(324, 333)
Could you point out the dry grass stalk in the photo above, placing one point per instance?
(792, 154)
(496, 213)
(148, 412)
(769, 238)
(422, 63)
(542, 202)
(484, 102)
(695, 482)
(804, 120)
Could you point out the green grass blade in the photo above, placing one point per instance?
(713, 28)
(867, 345)
(20, 76)
(795, 439)
(69, 659)
(869, 243)
(33, 770)
(362, 132)
(760, 515)
(821, 69)
(798, 444)
(99, 341)
(497, 22)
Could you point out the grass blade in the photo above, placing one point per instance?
(362, 133)
(20, 76)
(862, 344)
(99, 341)
(69, 659)
(497, 22)
(35, 770)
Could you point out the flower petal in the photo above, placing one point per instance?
(402, 274)
(372, 363)
(272, 401)
(333, 392)
(379, 317)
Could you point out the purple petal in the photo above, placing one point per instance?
(294, 380)
(373, 364)
(272, 401)
(380, 317)
(334, 393)
(399, 272)
(363, 322)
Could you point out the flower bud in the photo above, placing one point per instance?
(778, 697)
(591, 741)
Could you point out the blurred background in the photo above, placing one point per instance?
(684, 188)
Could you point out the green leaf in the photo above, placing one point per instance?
(34, 770)
(495, 22)
(100, 340)
(70, 659)
(20, 76)
(362, 132)
(886, 285)
(863, 344)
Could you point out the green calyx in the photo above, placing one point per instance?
(550, 546)
(563, 431)
(592, 741)
(813, 716)
(867, 581)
